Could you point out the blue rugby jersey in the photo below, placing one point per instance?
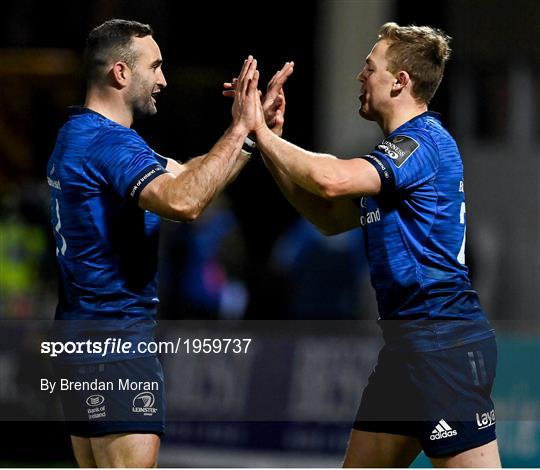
(106, 245)
(415, 239)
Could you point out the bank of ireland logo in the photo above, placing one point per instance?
(363, 202)
(95, 400)
(144, 403)
(96, 408)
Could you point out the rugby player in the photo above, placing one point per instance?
(431, 387)
(108, 190)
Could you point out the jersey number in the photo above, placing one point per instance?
(461, 254)
(61, 245)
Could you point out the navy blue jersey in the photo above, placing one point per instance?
(415, 232)
(106, 245)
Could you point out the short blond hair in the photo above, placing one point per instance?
(421, 51)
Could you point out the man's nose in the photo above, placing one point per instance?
(161, 80)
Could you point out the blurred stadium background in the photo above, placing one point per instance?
(250, 257)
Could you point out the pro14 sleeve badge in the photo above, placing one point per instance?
(399, 148)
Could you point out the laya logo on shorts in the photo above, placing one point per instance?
(399, 148)
(95, 400)
(144, 403)
(485, 420)
(442, 431)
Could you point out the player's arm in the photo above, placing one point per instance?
(330, 217)
(184, 193)
(175, 167)
(321, 174)
(183, 196)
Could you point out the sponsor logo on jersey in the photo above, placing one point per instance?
(143, 178)
(442, 431)
(144, 403)
(399, 148)
(485, 420)
(384, 171)
(370, 217)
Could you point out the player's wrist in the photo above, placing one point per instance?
(249, 145)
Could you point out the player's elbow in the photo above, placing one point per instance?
(186, 211)
(330, 192)
(329, 187)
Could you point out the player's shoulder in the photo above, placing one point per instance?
(112, 136)
(429, 125)
(422, 135)
(405, 143)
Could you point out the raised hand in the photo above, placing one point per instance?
(273, 101)
(246, 108)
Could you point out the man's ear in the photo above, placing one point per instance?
(120, 73)
(402, 79)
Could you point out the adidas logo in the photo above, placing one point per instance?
(442, 431)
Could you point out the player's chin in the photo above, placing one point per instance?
(140, 112)
(150, 109)
(364, 113)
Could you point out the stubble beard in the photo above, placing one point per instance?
(142, 104)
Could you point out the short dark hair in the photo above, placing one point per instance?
(422, 51)
(112, 41)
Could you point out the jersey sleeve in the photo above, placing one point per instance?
(404, 161)
(126, 162)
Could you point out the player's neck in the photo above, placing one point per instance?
(110, 106)
(400, 116)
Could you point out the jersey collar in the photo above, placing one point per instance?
(78, 110)
(423, 115)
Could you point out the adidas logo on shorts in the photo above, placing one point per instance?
(442, 431)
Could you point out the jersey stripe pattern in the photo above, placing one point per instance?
(415, 233)
(106, 245)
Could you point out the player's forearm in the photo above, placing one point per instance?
(207, 175)
(314, 172)
(314, 208)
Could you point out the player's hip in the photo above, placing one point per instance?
(112, 397)
(441, 397)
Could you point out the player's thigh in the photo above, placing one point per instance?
(485, 456)
(82, 448)
(126, 450)
(377, 449)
